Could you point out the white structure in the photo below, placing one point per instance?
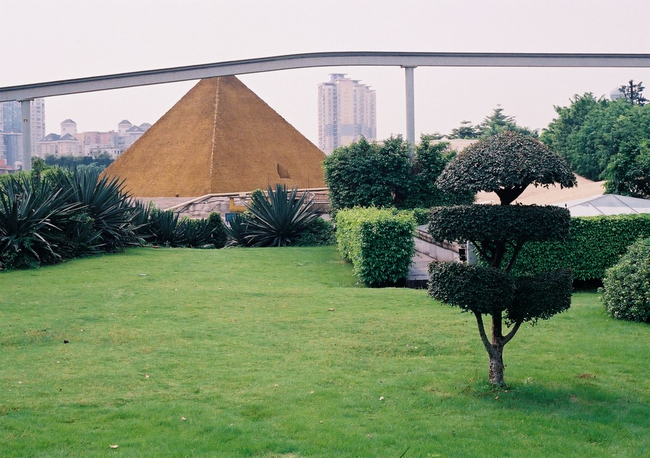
(346, 112)
(607, 204)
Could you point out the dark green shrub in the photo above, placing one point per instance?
(31, 213)
(506, 163)
(540, 296)
(219, 237)
(626, 286)
(237, 229)
(378, 242)
(594, 244)
(421, 216)
(319, 232)
(279, 219)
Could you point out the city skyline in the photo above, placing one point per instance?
(219, 31)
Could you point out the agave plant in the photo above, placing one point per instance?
(31, 211)
(237, 229)
(163, 226)
(108, 210)
(280, 219)
(195, 233)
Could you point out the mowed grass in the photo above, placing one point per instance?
(280, 353)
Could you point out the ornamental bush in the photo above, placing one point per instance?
(378, 242)
(381, 174)
(594, 244)
(626, 289)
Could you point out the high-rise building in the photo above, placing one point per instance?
(346, 112)
(11, 128)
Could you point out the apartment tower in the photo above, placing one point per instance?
(346, 112)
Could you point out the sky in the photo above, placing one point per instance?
(55, 40)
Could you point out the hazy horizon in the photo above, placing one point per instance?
(87, 38)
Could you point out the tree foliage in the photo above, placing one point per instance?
(633, 93)
(367, 174)
(465, 131)
(505, 163)
(499, 122)
(101, 161)
(628, 172)
(594, 133)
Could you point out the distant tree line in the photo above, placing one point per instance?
(101, 161)
(606, 140)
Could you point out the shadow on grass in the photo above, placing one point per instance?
(584, 400)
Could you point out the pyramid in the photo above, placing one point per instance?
(220, 137)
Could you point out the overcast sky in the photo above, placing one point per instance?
(53, 40)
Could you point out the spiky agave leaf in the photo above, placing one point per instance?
(236, 230)
(280, 219)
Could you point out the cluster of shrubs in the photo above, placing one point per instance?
(378, 242)
(58, 214)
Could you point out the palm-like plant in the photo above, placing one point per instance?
(280, 219)
(108, 223)
(31, 211)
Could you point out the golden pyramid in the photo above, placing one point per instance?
(220, 137)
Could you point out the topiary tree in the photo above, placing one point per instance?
(506, 164)
(626, 290)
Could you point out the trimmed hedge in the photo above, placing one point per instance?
(486, 290)
(499, 222)
(378, 242)
(594, 244)
(473, 288)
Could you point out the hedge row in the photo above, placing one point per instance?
(594, 244)
(379, 242)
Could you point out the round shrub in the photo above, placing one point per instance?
(626, 286)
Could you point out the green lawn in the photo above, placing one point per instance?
(235, 353)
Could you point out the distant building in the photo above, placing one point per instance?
(11, 129)
(346, 112)
(73, 143)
